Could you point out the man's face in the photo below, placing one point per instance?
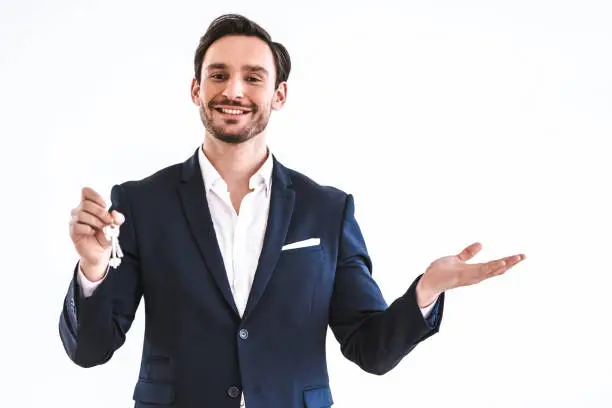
(236, 94)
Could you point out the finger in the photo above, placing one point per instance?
(83, 217)
(508, 262)
(514, 259)
(88, 193)
(470, 251)
(77, 228)
(503, 270)
(489, 268)
(96, 209)
(102, 240)
(92, 214)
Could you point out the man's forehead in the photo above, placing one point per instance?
(236, 51)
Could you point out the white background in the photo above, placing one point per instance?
(450, 122)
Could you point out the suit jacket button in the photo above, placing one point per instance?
(233, 392)
(244, 334)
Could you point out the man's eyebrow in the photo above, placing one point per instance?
(216, 65)
(257, 68)
(247, 68)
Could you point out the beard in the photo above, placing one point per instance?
(220, 128)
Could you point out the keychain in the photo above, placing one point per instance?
(112, 234)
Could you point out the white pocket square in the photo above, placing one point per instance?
(302, 244)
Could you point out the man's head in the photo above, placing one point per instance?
(240, 77)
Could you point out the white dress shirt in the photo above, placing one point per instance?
(240, 235)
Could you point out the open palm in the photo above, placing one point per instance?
(453, 271)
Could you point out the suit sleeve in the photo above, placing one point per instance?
(372, 334)
(92, 328)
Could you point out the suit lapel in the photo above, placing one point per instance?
(196, 209)
(282, 201)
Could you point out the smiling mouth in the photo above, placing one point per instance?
(233, 111)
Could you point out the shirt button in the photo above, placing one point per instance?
(244, 334)
(233, 392)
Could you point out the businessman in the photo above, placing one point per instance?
(242, 262)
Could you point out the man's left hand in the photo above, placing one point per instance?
(452, 271)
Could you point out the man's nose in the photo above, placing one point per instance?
(234, 88)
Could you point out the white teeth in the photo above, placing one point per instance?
(232, 111)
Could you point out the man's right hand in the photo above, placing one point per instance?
(87, 224)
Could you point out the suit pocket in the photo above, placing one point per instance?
(155, 393)
(158, 369)
(303, 261)
(291, 290)
(320, 397)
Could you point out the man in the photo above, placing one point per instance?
(242, 262)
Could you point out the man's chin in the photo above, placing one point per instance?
(233, 138)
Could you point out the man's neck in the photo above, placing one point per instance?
(236, 163)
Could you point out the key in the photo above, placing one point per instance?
(112, 234)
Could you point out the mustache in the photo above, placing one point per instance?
(227, 102)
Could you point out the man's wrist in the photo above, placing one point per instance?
(425, 293)
(93, 273)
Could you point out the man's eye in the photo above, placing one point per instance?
(253, 79)
(217, 76)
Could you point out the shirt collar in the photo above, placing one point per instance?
(263, 176)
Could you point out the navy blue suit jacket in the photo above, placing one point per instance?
(197, 351)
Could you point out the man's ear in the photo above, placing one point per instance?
(195, 92)
(280, 96)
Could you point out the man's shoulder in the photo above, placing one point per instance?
(164, 177)
(320, 192)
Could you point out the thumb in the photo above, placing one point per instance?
(470, 251)
(118, 218)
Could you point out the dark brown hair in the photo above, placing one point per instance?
(235, 24)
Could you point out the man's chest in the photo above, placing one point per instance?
(240, 236)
